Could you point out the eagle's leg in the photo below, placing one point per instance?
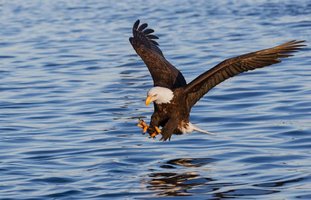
(169, 129)
(156, 132)
(142, 124)
(154, 129)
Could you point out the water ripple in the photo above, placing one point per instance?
(72, 89)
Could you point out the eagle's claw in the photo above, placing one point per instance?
(142, 124)
(156, 132)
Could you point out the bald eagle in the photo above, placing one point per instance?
(173, 98)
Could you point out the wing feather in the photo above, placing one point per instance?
(148, 31)
(234, 66)
(163, 73)
(142, 27)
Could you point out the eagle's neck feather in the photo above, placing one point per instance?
(164, 95)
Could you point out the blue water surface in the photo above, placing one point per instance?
(72, 90)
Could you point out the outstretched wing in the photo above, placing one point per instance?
(163, 73)
(234, 66)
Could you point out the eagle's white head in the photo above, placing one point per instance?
(159, 95)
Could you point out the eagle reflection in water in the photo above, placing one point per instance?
(187, 181)
(178, 183)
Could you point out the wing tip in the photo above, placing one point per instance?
(139, 30)
(136, 24)
(296, 43)
(288, 48)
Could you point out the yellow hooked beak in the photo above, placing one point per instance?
(150, 99)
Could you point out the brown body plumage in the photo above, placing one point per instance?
(173, 116)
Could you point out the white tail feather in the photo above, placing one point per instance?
(191, 127)
(195, 128)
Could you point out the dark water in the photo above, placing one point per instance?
(72, 89)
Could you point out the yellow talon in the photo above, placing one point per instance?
(157, 129)
(156, 132)
(142, 124)
(145, 129)
(153, 135)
